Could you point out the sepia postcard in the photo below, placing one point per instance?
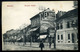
(39, 25)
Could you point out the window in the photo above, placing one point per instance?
(45, 14)
(72, 37)
(61, 26)
(68, 25)
(58, 37)
(61, 37)
(72, 23)
(68, 36)
(57, 26)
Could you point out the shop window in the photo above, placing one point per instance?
(68, 25)
(58, 37)
(61, 37)
(68, 36)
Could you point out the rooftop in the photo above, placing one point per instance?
(37, 15)
(73, 12)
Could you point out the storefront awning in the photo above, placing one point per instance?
(34, 29)
(42, 36)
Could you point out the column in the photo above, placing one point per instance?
(70, 37)
(64, 37)
(64, 24)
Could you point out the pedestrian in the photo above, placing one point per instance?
(50, 44)
(41, 45)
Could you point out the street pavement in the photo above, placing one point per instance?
(19, 46)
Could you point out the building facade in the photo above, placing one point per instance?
(67, 33)
(43, 21)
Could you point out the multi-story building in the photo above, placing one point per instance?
(67, 30)
(43, 21)
(11, 35)
(67, 34)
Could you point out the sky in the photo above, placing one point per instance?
(16, 14)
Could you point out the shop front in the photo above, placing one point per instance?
(34, 33)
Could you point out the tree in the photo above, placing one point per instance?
(23, 28)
